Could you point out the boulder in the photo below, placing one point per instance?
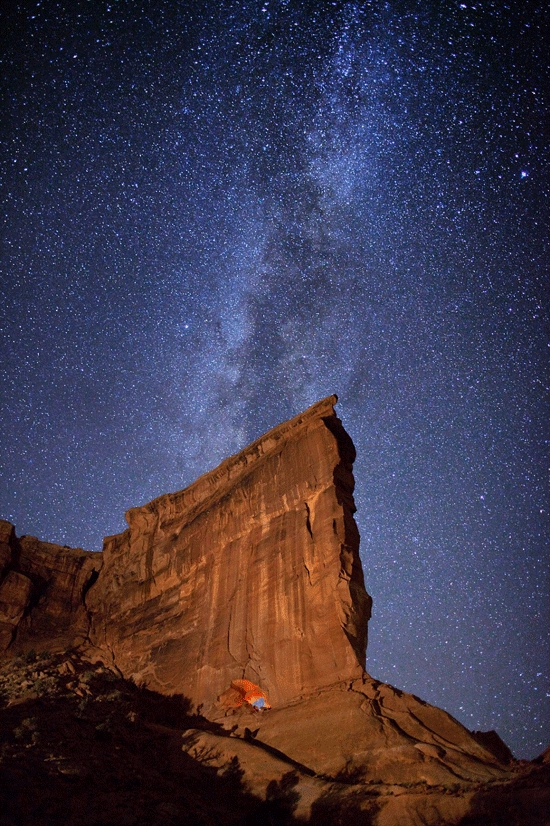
(371, 732)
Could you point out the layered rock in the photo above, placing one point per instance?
(370, 732)
(252, 572)
(42, 593)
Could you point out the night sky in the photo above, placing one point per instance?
(217, 213)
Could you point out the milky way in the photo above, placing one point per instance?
(216, 214)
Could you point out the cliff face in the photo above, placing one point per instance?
(251, 572)
(42, 592)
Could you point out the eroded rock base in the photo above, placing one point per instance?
(84, 747)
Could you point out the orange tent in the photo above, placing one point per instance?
(244, 691)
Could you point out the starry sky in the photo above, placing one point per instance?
(215, 214)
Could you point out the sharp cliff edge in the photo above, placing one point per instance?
(253, 574)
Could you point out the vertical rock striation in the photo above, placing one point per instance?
(251, 572)
(42, 590)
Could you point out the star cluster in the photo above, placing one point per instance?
(215, 214)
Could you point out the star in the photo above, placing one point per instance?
(221, 213)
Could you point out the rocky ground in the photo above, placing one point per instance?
(81, 746)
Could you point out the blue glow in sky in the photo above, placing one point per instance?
(216, 214)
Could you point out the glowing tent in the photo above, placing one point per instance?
(244, 691)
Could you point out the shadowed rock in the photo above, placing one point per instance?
(42, 593)
(253, 574)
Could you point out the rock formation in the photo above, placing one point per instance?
(42, 589)
(253, 573)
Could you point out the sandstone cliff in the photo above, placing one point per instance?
(42, 593)
(251, 572)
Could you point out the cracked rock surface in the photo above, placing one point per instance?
(42, 593)
(82, 746)
(252, 572)
(112, 667)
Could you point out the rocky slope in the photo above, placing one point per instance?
(253, 572)
(84, 747)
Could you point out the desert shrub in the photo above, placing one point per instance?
(44, 685)
(109, 676)
(104, 729)
(282, 798)
(232, 773)
(114, 696)
(27, 727)
(87, 676)
(205, 754)
(82, 708)
(350, 774)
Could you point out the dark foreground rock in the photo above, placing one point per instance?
(84, 747)
(251, 576)
(81, 746)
